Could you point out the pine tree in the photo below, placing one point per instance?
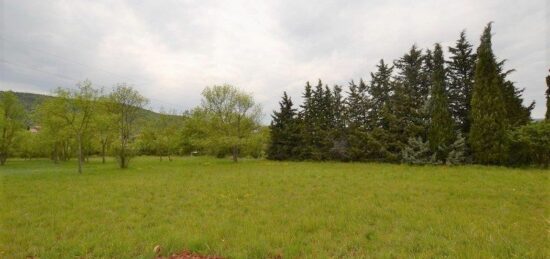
(284, 131)
(380, 91)
(488, 112)
(441, 126)
(417, 152)
(548, 97)
(457, 151)
(408, 102)
(461, 68)
(338, 138)
(306, 123)
(383, 142)
(357, 106)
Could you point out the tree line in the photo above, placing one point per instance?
(421, 109)
(83, 121)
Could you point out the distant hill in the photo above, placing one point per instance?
(31, 100)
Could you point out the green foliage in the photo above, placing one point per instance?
(75, 109)
(226, 119)
(418, 152)
(125, 104)
(441, 125)
(11, 121)
(531, 144)
(461, 69)
(488, 138)
(284, 129)
(516, 113)
(457, 151)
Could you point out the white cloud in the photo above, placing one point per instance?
(171, 50)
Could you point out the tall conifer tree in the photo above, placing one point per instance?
(461, 67)
(488, 112)
(285, 137)
(441, 126)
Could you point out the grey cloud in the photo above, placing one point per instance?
(171, 49)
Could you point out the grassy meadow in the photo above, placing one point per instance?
(263, 209)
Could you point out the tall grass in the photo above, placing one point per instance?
(259, 209)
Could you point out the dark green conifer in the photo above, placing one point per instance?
(285, 138)
(489, 122)
(441, 126)
(461, 67)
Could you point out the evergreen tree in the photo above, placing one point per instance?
(380, 91)
(461, 67)
(518, 115)
(284, 131)
(417, 152)
(441, 126)
(357, 106)
(383, 144)
(548, 97)
(488, 112)
(410, 95)
(306, 123)
(457, 151)
(338, 139)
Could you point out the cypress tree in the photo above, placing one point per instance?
(441, 126)
(488, 112)
(518, 115)
(284, 131)
(461, 67)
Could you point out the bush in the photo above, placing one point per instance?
(531, 144)
(417, 152)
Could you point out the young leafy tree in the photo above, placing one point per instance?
(488, 138)
(54, 130)
(284, 131)
(125, 103)
(104, 127)
(232, 115)
(441, 126)
(461, 68)
(76, 108)
(11, 121)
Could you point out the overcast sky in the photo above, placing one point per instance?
(171, 50)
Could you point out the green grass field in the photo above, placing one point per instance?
(259, 209)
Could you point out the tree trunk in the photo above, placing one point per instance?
(3, 160)
(235, 153)
(103, 153)
(80, 155)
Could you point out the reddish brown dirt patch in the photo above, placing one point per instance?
(189, 255)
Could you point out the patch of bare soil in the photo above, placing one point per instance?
(189, 255)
